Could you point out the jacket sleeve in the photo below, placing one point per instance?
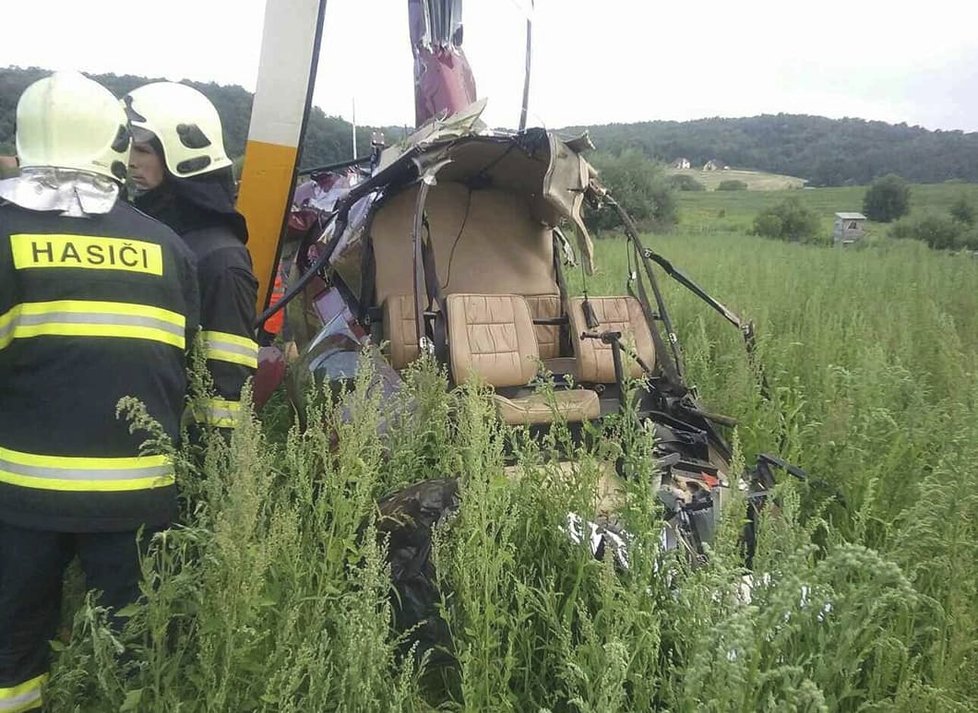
(228, 293)
(191, 299)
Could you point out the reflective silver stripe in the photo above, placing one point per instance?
(22, 696)
(19, 702)
(219, 412)
(92, 318)
(222, 412)
(218, 344)
(216, 416)
(33, 471)
(231, 348)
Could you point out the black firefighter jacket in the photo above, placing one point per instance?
(91, 310)
(228, 293)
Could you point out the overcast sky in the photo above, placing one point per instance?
(594, 61)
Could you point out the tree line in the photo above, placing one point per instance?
(328, 138)
(827, 152)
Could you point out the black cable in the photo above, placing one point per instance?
(451, 255)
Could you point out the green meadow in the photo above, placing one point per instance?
(273, 594)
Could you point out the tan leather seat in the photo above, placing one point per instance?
(575, 405)
(548, 335)
(595, 364)
(491, 337)
(399, 330)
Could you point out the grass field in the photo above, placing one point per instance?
(733, 211)
(273, 596)
(755, 180)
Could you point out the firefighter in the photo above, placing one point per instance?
(184, 178)
(97, 302)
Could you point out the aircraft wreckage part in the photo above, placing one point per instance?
(283, 96)
(270, 373)
(407, 522)
(443, 80)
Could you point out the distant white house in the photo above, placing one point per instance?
(715, 164)
(681, 163)
(849, 228)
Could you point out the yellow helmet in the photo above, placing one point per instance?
(69, 121)
(184, 121)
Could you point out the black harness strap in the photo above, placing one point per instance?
(368, 273)
(420, 288)
(435, 301)
(558, 248)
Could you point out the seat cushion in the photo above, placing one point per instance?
(615, 314)
(491, 337)
(574, 405)
(399, 330)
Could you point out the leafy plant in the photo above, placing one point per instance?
(684, 182)
(272, 592)
(887, 199)
(963, 210)
(641, 188)
(788, 220)
(732, 184)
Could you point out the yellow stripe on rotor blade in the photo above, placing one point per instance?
(266, 187)
(283, 94)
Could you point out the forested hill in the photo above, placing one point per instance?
(328, 138)
(824, 151)
(827, 152)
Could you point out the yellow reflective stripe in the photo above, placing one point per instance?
(221, 413)
(101, 307)
(90, 318)
(23, 696)
(84, 474)
(223, 346)
(234, 339)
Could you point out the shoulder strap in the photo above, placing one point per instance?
(435, 301)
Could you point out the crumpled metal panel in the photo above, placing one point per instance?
(465, 121)
(436, 24)
(73, 193)
(443, 81)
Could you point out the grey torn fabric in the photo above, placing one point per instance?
(567, 180)
(74, 193)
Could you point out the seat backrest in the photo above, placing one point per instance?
(399, 330)
(595, 364)
(548, 335)
(491, 337)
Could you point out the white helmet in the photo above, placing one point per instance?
(69, 121)
(184, 121)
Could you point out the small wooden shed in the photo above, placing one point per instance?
(849, 227)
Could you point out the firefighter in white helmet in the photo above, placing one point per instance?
(97, 302)
(184, 178)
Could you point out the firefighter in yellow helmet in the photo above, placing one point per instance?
(183, 177)
(97, 302)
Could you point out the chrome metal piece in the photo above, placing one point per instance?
(73, 193)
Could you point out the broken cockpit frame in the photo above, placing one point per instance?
(451, 245)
